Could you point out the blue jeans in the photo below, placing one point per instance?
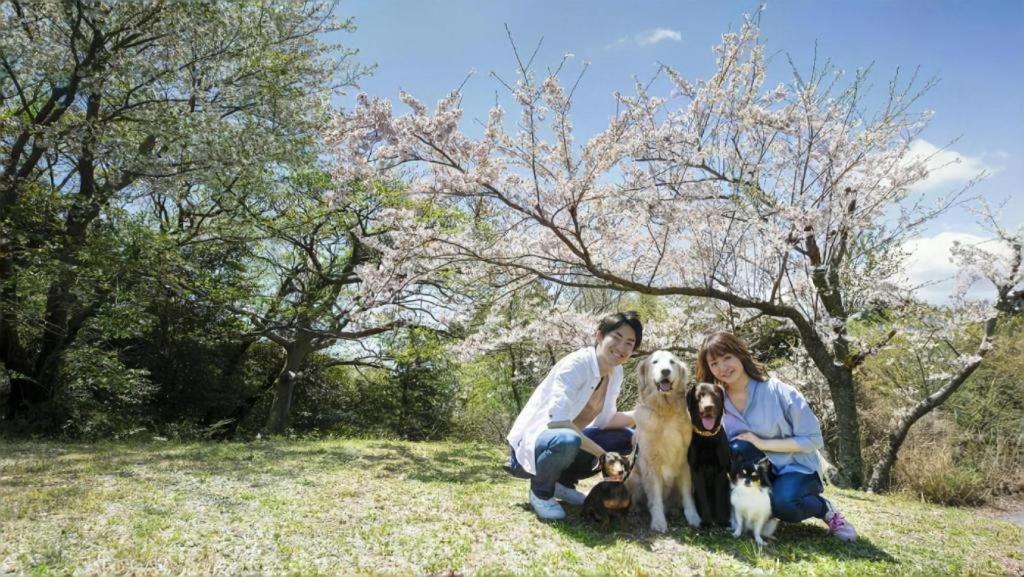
(795, 496)
(560, 460)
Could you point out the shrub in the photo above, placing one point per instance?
(101, 397)
(931, 466)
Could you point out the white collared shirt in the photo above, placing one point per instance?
(561, 396)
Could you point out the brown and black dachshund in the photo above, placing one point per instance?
(708, 454)
(609, 499)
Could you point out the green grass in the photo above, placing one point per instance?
(364, 506)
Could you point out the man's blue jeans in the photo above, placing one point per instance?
(795, 496)
(560, 460)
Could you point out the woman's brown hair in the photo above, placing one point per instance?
(724, 343)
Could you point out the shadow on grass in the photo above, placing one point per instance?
(463, 464)
(632, 528)
(797, 542)
(794, 542)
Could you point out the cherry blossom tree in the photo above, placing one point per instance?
(996, 263)
(788, 201)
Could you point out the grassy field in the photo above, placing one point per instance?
(347, 506)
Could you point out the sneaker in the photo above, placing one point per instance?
(546, 509)
(569, 494)
(838, 525)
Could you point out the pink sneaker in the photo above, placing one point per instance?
(838, 525)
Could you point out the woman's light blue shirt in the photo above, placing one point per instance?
(776, 410)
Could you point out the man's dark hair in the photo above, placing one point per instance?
(616, 320)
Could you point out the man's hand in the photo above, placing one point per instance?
(621, 420)
(586, 443)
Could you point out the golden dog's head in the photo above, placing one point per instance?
(661, 374)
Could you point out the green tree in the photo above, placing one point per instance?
(108, 106)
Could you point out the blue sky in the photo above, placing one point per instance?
(974, 49)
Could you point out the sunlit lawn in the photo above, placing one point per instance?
(355, 506)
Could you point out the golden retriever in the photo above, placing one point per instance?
(663, 432)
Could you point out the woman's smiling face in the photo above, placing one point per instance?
(728, 370)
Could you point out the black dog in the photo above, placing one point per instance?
(709, 453)
(609, 499)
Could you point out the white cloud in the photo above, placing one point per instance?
(928, 264)
(621, 41)
(946, 168)
(647, 38)
(657, 35)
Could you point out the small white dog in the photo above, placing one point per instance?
(751, 502)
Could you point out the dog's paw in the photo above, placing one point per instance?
(760, 542)
(769, 528)
(659, 525)
(692, 518)
(737, 532)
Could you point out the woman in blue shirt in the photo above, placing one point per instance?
(766, 417)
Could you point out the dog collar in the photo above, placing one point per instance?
(708, 433)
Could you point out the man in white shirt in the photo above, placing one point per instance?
(571, 418)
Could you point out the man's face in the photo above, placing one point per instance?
(616, 347)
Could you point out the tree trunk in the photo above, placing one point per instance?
(297, 352)
(13, 356)
(231, 375)
(515, 377)
(236, 359)
(404, 427)
(847, 454)
(65, 316)
(24, 395)
(842, 388)
(882, 471)
(59, 301)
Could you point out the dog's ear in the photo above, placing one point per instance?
(720, 399)
(764, 468)
(641, 376)
(691, 404)
(735, 465)
(602, 460)
(684, 373)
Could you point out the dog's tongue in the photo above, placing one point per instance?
(708, 422)
(664, 385)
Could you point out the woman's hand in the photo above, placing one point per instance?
(788, 445)
(751, 438)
